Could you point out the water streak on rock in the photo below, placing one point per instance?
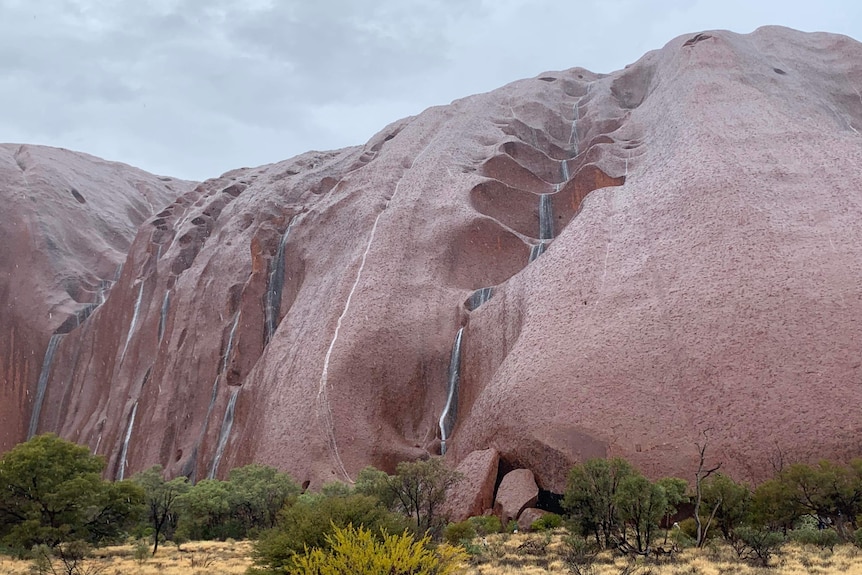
(43, 383)
(163, 316)
(478, 297)
(450, 411)
(134, 323)
(121, 469)
(226, 425)
(275, 284)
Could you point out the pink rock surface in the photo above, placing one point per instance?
(704, 275)
(474, 491)
(68, 221)
(517, 491)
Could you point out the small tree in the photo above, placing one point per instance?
(590, 497)
(641, 505)
(420, 489)
(161, 498)
(703, 471)
(52, 494)
(729, 503)
(257, 493)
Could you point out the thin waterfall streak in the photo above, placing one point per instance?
(224, 433)
(537, 250)
(450, 411)
(163, 315)
(230, 339)
(546, 217)
(322, 397)
(121, 471)
(42, 385)
(275, 285)
(479, 297)
(134, 320)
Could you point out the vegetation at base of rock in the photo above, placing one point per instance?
(53, 495)
(55, 509)
(310, 521)
(357, 551)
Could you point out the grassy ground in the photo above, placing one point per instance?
(521, 554)
(199, 558)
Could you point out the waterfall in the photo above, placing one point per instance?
(479, 297)
(546, 218)
(275, 284)
(223, 435)
(450, 411)
(230, 339)
(134, 320)
(573, 138)
(43, 383)
(121, 470)
(537, 250)
(164, 314)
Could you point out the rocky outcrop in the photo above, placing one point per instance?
(517, 491)
(671, 248)
(473, 493)
(68, 221)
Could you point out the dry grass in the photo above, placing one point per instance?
(199, 558)
(502, 556)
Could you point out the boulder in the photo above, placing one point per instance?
(474, 492)
(516, 492)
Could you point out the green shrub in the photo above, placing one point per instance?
(761, 543)
(353, 551)
(547, 522)
(486, 524)
(822, 538)
(308, 523)
(456, 533)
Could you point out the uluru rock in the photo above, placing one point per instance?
(473, 493)
(68, 221)
(517, 491)
(670, 248)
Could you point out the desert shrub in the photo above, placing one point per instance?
(308, 523)
(456, 533)
(486, 524)
(356, 551)
(760, 543)
(822, 538)
(547, 522)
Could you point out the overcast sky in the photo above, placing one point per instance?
(193, 88)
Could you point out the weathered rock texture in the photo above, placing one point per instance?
(704, 274)
(68, 221)
(473, 493)
(517, 491)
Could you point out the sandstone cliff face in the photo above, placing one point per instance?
(68, 222)
(671, 248)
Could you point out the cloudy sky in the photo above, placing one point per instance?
(193, 88)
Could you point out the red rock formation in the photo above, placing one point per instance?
(68, 221)
(517, 492)
(473, 493)
(704, 275)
